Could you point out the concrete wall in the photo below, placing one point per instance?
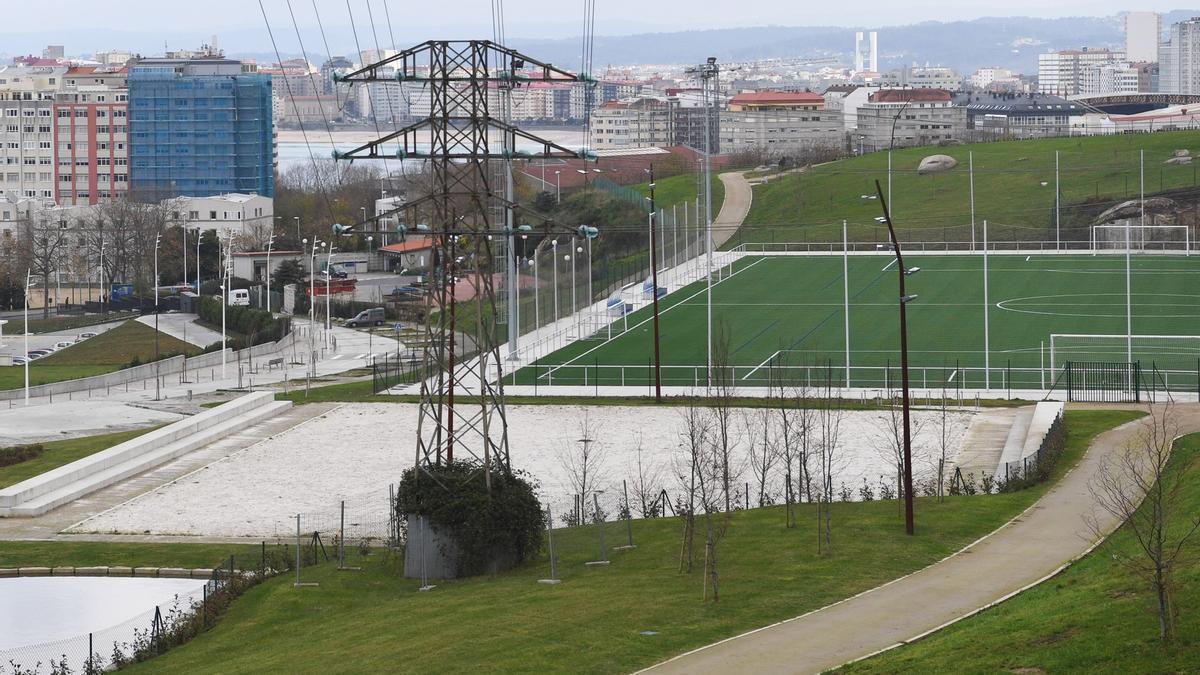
(120, 378)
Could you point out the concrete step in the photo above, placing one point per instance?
(985, 440)
(35, 502)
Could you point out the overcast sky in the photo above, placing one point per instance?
(525, 18)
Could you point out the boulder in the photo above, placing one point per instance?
(936, 164)
(1133, 208)
(1182, 153)
(1179, 160)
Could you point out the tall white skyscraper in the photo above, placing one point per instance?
(1143, 30)
(1179, 59)
(866, 52)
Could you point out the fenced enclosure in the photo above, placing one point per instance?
(789, 318)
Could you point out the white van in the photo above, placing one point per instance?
(239, 297)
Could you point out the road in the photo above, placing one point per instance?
(1030, 548)
(183, 327)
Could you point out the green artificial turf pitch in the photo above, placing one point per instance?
(784, 319)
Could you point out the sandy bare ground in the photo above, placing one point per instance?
(356, 451)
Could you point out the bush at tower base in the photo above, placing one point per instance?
(457, 528)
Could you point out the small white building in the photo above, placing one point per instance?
(238, 214)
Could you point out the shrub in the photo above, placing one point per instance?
(505, 523)
(20, 453)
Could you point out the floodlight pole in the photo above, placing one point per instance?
(904, 299)
(28, 280)
(1057, 206)
(654, 292)
(1128, 243)
(971, 183)
(987, 343)
(846, 295)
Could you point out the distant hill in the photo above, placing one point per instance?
(1012, 42)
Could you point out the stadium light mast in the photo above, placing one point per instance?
(904, 300)
(709, 73)
(654, 291)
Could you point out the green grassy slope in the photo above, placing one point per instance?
(592, 622)
(58, 453)
(1014, 190)
(1094, 617)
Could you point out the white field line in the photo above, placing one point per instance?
(765, 362)
(888, 266)
(651, 318)
(952, 376)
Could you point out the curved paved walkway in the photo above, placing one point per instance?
(738, 198)
(1036, 544)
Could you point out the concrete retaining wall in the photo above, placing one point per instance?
(59, 486)
(120, 378)
(101, 571)
(1044, 416)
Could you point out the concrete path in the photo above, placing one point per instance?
(183, 327)
(1031, 547)
(52, 524)
(985, 440)
(738, 198)
(72, 419)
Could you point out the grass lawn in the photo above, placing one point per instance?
(592, 622)
(58, 323)
(1094, 617)
(785, 315)
(676, 190)
(1014, 190)
(118, 347)
(100, 553)
(107, 352)
(58, 453)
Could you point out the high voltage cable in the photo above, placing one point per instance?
(370, 97)
(313, 80)
(329, 57)
(296, 108)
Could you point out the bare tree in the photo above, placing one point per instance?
(722, 411)
(711, 479)
(44, 249)
(889, 443)
(648, 486)
(582, 462)
(828, 421)
(944, 426)
(1135, 487)
(695, 437)
(762, 450)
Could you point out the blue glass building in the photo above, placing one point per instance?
(199, 127)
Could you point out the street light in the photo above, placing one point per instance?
(328, 279)
(157, 244)
(28, 281)
(270, 244)
(312, 302)
(557, 187)
(905, 298)
(297, 219)
(554, 258)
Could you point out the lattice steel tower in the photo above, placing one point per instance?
(462, 400)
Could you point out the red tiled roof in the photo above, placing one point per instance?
(414, 244)
(910, 95)
(776, 97)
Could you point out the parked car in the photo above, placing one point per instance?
(367, 317)
(84, 336)
(63, 345)
(20, 360)
(336, 273)
(37, 354)
(239, 297)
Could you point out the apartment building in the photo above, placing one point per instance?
(27, 139)
(1110, 78)
(1179, 59)
(200, 126)
(91, 132)
(633, 123)
(1061, 73)
(908, 117)
(778, 122)
(924, 77)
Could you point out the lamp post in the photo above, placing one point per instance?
(312, 301)
(223, 263)
(184, 248)
(654, 291)
(328, 279)
(28, 281)
(100, 276)
(554, 258)
(297, 219)
(270, 244)
(557, 187)
(199, 236)
(904, 300)
(157, 244)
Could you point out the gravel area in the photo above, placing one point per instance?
(354, 452)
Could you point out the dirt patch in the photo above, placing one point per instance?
(1054, 638)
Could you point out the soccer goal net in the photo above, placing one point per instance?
(1141, 237)
(1165, 352)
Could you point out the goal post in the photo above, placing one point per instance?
(1142, 238)
(1167, 352)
